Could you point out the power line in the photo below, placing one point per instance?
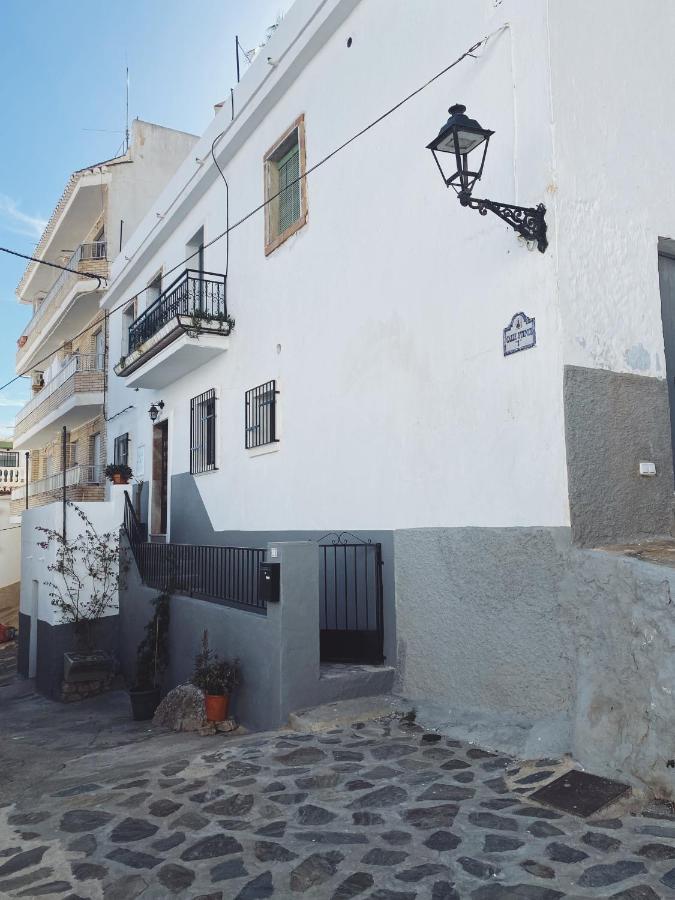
(43, 262)
(267, 201)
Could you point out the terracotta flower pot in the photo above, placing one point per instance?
(217, 707)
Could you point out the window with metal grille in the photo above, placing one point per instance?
(285, 187)
(203, 432)
(261, 418)
(121, 450)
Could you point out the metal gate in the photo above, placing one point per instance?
(350, 617)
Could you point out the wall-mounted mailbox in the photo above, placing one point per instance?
(268, 582)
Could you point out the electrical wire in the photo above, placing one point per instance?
(227, 208)
(43, 262)
(467, 53)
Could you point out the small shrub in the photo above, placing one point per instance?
(212, 674)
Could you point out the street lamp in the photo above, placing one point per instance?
(154, 410)
(461, 137)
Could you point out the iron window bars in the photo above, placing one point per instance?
(193, 293)
(121, 450)
(260, 415)
(203, 432)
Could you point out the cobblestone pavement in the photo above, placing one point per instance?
(377, 810)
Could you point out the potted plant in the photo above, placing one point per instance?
(152, 659)
(86, 574)
(217, 678)
(118, 473)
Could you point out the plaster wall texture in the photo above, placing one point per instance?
(10, 546)
(613, 422)
(389, 363)
(105, 516)
(516, 638)
(156, 154)
(625, 633)
(481, 624)
(612, 201)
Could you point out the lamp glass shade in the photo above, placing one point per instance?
(458, 137)
(461, 140)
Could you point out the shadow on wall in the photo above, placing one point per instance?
(196, 528)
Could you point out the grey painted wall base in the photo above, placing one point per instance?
(196, 528)
(23, 649)
(613, 421)
(518, 640)
(54, 640)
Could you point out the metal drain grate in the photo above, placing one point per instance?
(579, 793)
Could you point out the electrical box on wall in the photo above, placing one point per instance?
(647, 468)
(269, 582)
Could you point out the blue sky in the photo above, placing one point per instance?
(62, 93)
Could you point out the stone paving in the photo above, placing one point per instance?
(377, 810)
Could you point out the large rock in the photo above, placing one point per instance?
(182, 709)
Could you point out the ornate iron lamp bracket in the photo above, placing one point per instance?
(528, 221)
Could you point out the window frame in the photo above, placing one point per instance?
(260, 427)
(201, 460)
(122, 440)
(281, 147)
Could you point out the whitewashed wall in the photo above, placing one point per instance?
(382, 319)
(613, 77)
(105, 517)
(10, 546)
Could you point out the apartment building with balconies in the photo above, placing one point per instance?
(63, 348)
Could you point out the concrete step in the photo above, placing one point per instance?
(344, 712)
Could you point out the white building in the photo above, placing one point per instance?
(365, 385)
(64, 349)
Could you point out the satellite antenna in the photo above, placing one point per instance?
(126, 128)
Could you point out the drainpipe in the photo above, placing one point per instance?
(63, 468)
(27, 455)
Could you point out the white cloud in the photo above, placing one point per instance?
(12, 219)
(9, 401)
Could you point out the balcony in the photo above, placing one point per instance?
(11, 473)
(71, 398)
(185, 327)
(82, 483)
(88, 259)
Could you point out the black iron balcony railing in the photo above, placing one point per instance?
(226, 575)
(193, 293)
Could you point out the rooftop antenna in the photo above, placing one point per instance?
(126, 129)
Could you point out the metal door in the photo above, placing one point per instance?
(350, 579)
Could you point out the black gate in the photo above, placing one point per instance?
(351, 599)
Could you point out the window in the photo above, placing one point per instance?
(128, 318)
(203, 432)
(261, 405)
(285, 188)
(153, 290)
(74, 452)
(121, 450)
(98, 342)
(94, 458)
